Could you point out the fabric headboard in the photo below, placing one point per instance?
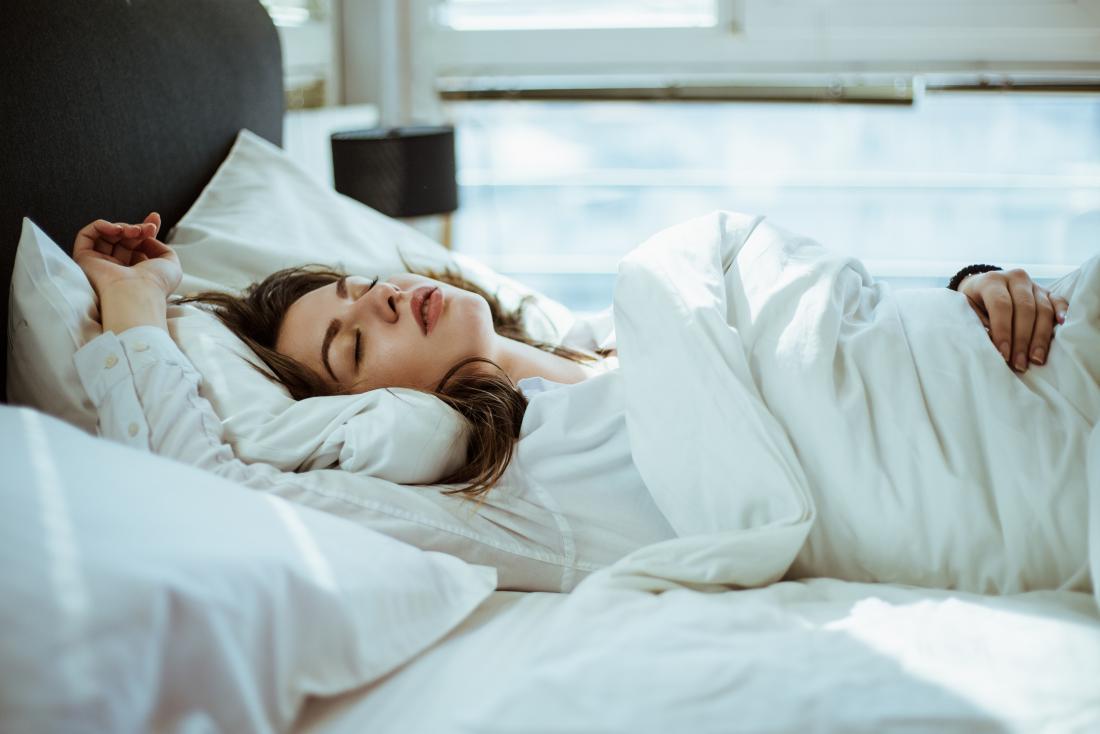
(115, 108)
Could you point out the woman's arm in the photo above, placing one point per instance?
(1018, 314)
(144, 388)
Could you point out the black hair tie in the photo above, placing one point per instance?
(970, 270)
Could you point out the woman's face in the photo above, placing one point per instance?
(326, 329)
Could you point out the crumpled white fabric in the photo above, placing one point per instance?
(718, 464)
(793, 417)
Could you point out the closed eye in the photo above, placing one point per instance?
(342, 286)
(342, 291)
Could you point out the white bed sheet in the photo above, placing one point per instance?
(821, 655)
(446, 683)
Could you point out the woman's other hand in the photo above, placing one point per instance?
(116, 255)
(1019, 315)
(133, 272)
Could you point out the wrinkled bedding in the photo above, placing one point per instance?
(792, 417)
(816, 655)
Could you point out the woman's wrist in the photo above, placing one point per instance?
(962, 275)
(133, 303)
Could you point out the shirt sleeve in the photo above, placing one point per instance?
(146, 393)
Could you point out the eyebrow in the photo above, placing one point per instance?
(341, 290)
(333, 328)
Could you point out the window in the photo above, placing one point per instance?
(306, 37)
(517, 44)
(554, 193)
(483, 15)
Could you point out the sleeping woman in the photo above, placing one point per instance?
(322, 332)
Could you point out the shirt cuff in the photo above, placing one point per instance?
(101, 364)
(110, 358)
(106, 374)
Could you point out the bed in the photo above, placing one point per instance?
(128, 107)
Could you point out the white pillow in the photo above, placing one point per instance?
(52, 312)
(260, 213)
(53, 315)
(141, 594)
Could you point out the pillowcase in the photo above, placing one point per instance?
(141, 594)
(52, 312)
(260, 213)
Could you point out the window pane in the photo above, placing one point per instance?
(470, 15)
(294, 12)
(556, 193)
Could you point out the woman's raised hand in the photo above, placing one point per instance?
(119, 255)
(1019, 315)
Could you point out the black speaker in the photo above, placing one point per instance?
(400, 171)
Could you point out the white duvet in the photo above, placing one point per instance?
(818, 655)
(792, 418)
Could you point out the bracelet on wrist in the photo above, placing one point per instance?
(968, 271)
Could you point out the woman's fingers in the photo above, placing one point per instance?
(1061, 307)
(105, 230)
(151, 247)
(120, 242)
(982, 315)
(126, 232)
(154, 219)
(148, 248)
(1023, 316)
(102, 235)
(109, 232)
(89, 235)
(134, 234)
(998, 305)
(1043, 330)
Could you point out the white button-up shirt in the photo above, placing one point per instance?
(573, 459)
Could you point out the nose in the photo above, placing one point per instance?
(385, 300)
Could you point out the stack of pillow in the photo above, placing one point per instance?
(260, 213)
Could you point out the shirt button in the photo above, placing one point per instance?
(111, 361)
(132, 430)
(140, 346)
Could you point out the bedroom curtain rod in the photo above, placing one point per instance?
(892, 89)
(690, 93)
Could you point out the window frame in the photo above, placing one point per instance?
(770, 38)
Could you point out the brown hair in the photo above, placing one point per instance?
(491, 405)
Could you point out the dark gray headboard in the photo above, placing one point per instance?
(115, 108)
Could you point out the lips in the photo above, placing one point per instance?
(426, 304)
